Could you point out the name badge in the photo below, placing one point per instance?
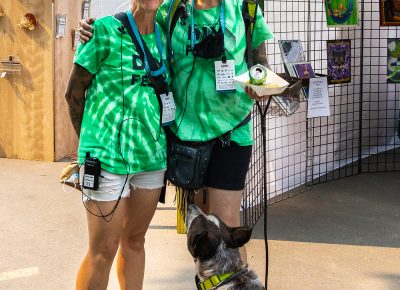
(169, 109)
(224, 76)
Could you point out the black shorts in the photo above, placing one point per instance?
(228, 166)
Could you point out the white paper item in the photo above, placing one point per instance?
(169, 109)
(224, 76)
(272, 78)
(318, 98)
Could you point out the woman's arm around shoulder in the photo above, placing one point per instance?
(78, 83)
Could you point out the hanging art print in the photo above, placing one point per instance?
(393, 61)
(390, 12)
(339, 61)
(341, 12)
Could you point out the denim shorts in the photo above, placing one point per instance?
(111, 185)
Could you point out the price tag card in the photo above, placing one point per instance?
(318, 98)
(224, 76)
(169, 109)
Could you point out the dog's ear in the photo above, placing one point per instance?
(203, 245)
(238, 237)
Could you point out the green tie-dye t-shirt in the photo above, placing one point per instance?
(202, 112)
(117, 69)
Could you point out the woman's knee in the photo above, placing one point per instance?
(133, 242)
(226, 205)
(104, 252)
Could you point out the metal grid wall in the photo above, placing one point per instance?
(286, 137)
(364, 113)
(381, 101)
(335, 139)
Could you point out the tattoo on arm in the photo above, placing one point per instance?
(78, 83)
(260, 55)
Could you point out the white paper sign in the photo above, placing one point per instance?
(318, 98)
(61, 25)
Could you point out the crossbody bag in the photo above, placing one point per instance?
(187, 161)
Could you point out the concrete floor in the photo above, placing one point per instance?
(339, 235)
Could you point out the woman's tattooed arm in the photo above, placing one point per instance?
(79, 81)
(260, 55)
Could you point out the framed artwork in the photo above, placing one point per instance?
(304, 70)
(390, 12)
(393, 71)
(341, 12)
(288, 104)
(291, 50)
(339, 61)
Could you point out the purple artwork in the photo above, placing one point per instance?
(304, 70)
(339, 61)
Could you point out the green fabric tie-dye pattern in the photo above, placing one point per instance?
(203, 113)
(104, 116)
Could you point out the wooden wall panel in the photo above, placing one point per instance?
(26, 99)
(66, 141)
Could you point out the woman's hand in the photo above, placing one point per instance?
(252, 94)
(86, 29)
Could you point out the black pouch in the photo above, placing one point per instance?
(212, 46)
(187, 162)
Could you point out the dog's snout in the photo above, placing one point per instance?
(192, 212)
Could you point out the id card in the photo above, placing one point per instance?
(224, 76)
(169, 109)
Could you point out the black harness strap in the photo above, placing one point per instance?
(226, 137)
(249, 21)
(159, 82)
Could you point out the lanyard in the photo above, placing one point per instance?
(162, 69)
(221, 20)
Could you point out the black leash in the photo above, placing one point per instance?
(263, 117)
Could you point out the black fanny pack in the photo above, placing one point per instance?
(187, 161)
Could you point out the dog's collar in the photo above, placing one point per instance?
(218, 280)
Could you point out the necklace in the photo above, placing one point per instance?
(341, 14)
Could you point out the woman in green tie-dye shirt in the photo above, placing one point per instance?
(203, 113)
(118, 122)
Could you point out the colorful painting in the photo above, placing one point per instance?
(339, 61)
(393, 60)
(341, 12)
(390, 12)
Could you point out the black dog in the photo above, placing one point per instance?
(215, 249)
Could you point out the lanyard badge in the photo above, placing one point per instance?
(157, 77)
(168, 109)
(224, 76)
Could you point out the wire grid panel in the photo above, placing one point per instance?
(286, 137)
(381, 100)
(335, 141)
